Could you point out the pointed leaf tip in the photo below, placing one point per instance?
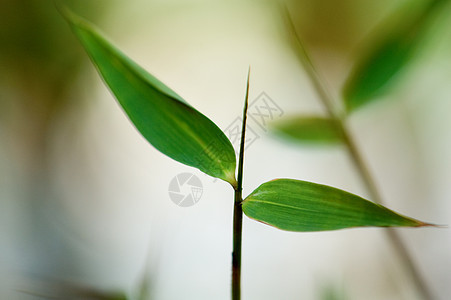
(170, 124)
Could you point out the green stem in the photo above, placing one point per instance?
(358, 161)
(238, 210)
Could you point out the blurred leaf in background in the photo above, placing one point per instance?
(310, 130)
(40, 65)
(332, 292)
(398, 43)
(65, 290)
(39, 60)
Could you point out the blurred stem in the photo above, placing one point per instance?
(238, 210)
(358, 161)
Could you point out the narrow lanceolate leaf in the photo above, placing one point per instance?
(160, 115)
(376, 72)
(311, 130)
(296, 205)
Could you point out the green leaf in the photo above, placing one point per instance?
(170, 124)
(374, 74)
(310, 129)
(296, 205)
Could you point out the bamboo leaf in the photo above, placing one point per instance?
(310, 129)
(374, 74)
(296, 205)
(170, 124)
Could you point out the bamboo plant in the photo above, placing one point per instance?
(374, 75)
(181, 132)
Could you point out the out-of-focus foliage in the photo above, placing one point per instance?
(37, 54)
(374, 73)
(40, 62)
(66, 290)
(332, 292)
(310, 129)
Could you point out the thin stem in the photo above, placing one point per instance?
(391, 233)
(236, 254)
(237, 209)
(358, 161)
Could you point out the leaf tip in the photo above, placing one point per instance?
(424, 224)
(65, 12)
(74, 20)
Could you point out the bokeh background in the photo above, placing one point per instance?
(84, 203)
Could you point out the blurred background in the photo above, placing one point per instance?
(84, 202)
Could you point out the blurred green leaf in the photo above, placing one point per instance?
(59, 290)
(374, 74)
(310, 129)
(296, 205)
(330, 291)
(163, 117)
